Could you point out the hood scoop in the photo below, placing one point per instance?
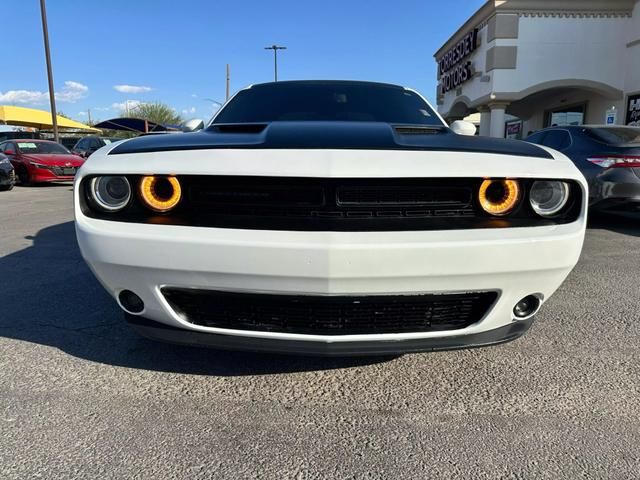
(418, 129)
(238, 127)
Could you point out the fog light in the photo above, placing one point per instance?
(527, 306)
(131, 302)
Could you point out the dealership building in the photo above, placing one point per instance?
(523, 65)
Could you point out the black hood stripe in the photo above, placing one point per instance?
(329, 135)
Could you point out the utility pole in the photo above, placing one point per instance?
(275, 49)
(228, 78)
(89, 115)
(52, 94)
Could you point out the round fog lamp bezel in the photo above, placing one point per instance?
(557, 208)
(536, 302)
(100, 202)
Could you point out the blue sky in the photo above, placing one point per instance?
(107, 52)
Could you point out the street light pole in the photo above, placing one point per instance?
(47, 53)
(275, 49)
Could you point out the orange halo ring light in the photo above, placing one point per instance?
(499, 196)
(160, 193)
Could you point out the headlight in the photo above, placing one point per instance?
(547, 197)
(499, 196)
(110, 193)
(39, 165)
(4, 160)
(160, 193)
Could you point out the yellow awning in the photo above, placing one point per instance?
(30, 117)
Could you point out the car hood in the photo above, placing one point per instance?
(54, 160)
(328, 135)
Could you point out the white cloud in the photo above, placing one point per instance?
(132, 88)
(123, 106)
(194, 95)
(189, 111)
(82, 114)
(70, 93)
(23, 96)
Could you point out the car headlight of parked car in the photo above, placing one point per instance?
(38, 165)
(110, 193)
(4, 161)
(548, 197)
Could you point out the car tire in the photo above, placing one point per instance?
(23, 175)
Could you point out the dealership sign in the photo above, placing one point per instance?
(453, 68)
(633, 111)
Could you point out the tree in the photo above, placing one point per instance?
(154, 112)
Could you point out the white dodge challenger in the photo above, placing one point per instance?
(329, 217)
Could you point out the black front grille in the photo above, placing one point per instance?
(329, 315)
(63, 171)
(333, 204)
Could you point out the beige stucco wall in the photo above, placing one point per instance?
(595, 50)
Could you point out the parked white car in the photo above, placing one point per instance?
(330, 217)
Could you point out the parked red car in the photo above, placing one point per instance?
(39, 161)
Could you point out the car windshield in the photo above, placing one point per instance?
(42, 147)
(327, 101)
(615, 136)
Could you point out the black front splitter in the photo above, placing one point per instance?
(165, 333)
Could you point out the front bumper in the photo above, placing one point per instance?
(513, 262)
(165, 333)
(616, 189)
(49, 179)
(46, 175)
(7, 177)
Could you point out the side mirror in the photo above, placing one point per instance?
(192, 125)
(9, 152)
(462, 127)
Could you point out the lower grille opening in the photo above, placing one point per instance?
(329, 315)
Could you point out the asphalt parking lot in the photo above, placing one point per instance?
(83, 397)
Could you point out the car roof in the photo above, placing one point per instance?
(285, 83)
(27, 140)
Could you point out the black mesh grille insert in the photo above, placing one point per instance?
(329, 315)
(332, 204)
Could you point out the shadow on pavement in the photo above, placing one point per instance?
(50, 297)
(627, 224)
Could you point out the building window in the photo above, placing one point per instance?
(566, 116)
